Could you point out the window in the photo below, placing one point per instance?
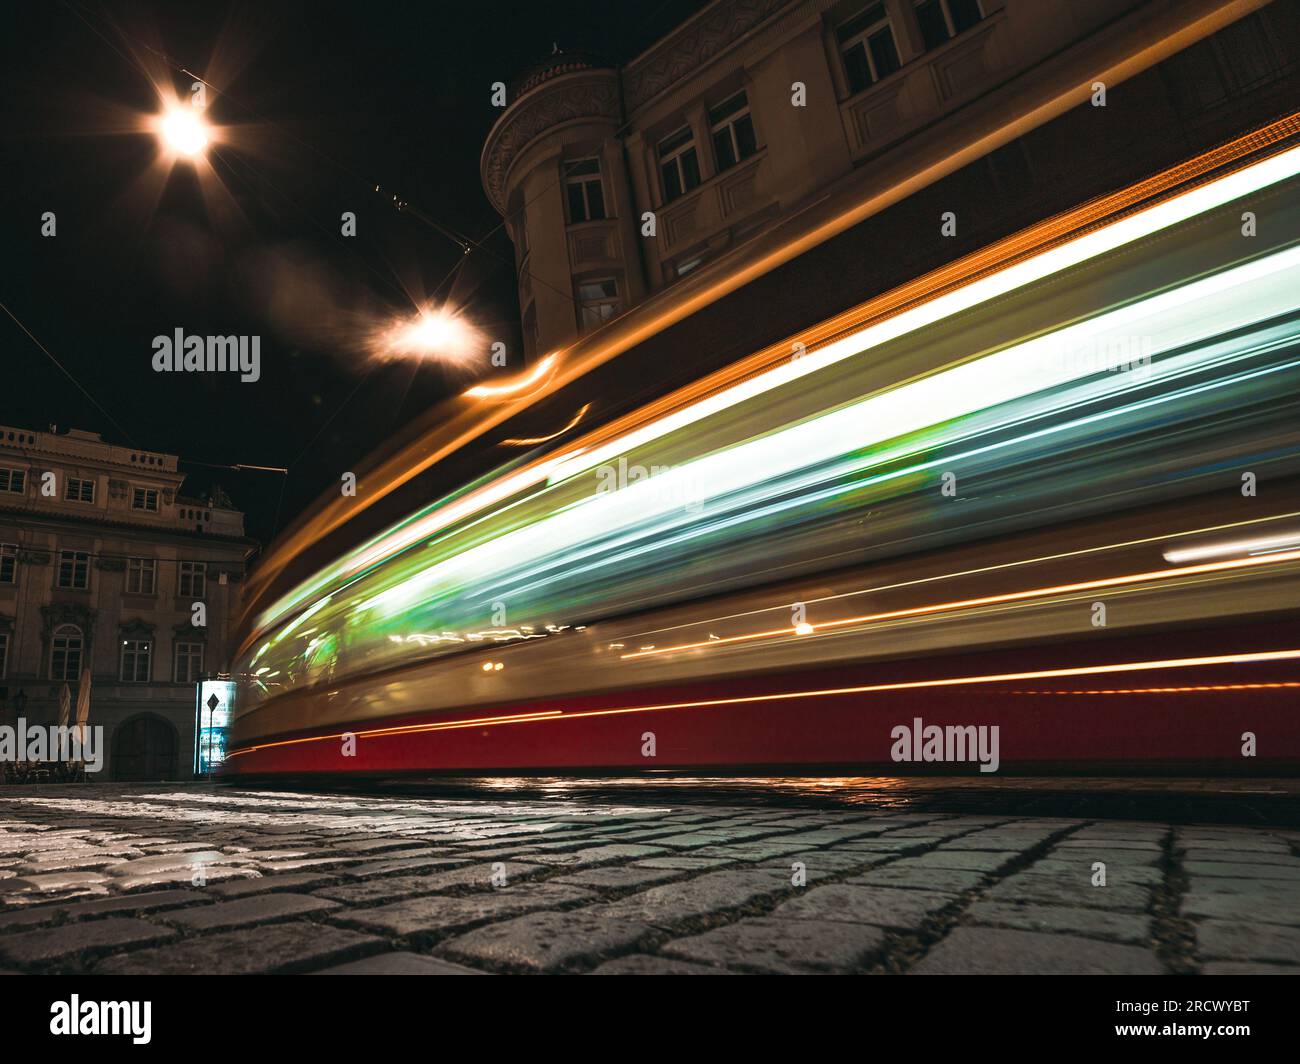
(867, 48)
(189, 663)
(597, 301)
(136, 654)
(141, 576)
(679, 164)
(4, 654)
(78, 489)
(586, 193)
(732, 128)
(193, 579)
(687, 265)
(65, 653)
(941, 20)
(144, 499)
(13, 481)
(74, 569)
(8, 563)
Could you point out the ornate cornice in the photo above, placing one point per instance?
(188, 633)
(691, 46)
(57, 613)
(583, 94)
(136, 628)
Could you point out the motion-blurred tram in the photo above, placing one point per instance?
(1038, 510)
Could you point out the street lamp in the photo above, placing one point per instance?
(432, 333)
(183, 130)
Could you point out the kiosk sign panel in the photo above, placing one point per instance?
(216, 699)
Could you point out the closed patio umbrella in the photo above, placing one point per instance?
(83, 714)
(83, 703)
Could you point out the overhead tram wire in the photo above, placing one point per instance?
(468, 245)
(64, 370)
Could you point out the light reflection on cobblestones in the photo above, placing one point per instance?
(589, 875)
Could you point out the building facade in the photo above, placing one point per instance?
(105, 564)
(620, 185)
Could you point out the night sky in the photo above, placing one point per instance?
(328, 100)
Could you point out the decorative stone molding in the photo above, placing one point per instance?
(117, 489)
(58, 613)
(188, 633)
(34, 557)
(692, 46)
(111, 563)
(136, 628)
(582, 94)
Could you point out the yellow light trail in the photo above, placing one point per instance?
(985, 600)
(979, 571)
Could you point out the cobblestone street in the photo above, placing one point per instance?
(197, 878)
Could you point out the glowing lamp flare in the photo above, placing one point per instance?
(437, 334)
(184, 130)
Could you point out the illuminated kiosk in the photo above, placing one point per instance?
(214, 701)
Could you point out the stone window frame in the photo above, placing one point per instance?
(61, 633)
(7, 477)
(582, 180)
(145, 565)
(862, 39)
(72, 585)
(195, 662)
(79, 495)
(140, 649)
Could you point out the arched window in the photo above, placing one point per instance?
(65, 652)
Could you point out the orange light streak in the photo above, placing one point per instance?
(1168, 690)
(553, 436)
(447, 428)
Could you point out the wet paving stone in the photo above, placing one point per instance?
(79, 940)
(783, 946)
(1092, 923)
(546, 941)
(859, 903)
(253, 951)
(199, 878)
(439, 914)
(989, 951)
(401, 963)
(261, 909)
(644, 964)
